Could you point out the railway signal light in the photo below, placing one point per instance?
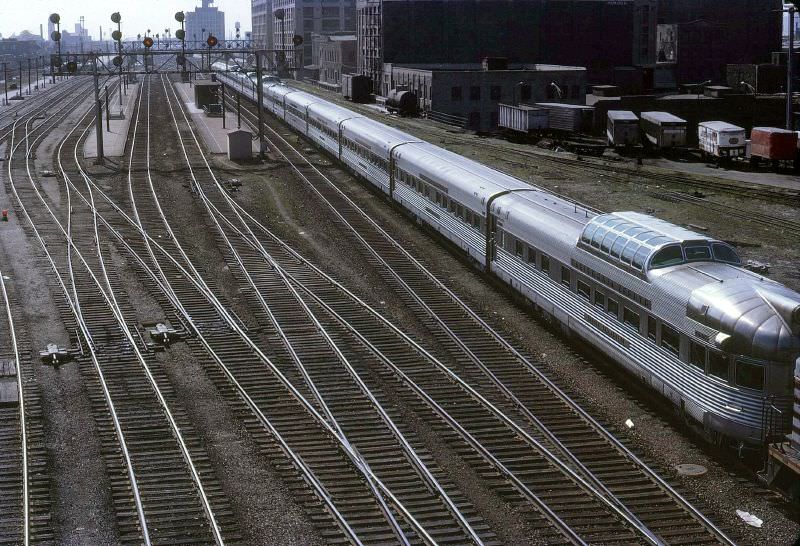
(148, 42)
(55, 36)
(55, 18)
(180, 16)
(116, 36)
(117, 61)
(297, 40)
(180, 34)
(72, 67)
(212, 41)
(116, 17)
(55, 61)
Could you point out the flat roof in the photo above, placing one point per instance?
(478, 67)
(564, 105)
(622, 115)
(720, 126)
(663, 117)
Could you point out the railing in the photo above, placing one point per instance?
(776, 423)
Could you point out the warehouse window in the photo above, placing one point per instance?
(750, 376)
(455, 93)
(495, 92)
(475, 92)
(697, 355)
(670, 339)
(718, 365)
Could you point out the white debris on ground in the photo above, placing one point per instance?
(749, 519)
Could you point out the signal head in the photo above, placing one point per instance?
(212, 41)
(148, 42)
(116, 17)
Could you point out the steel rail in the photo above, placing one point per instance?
(84, 330)
(691, 509)
(117, 310)
(374, 482)
(411, 454)
(22, 423)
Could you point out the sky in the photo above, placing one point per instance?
(137, 15)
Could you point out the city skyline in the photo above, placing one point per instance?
(137, 16)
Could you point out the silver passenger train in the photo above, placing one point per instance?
(674, 307)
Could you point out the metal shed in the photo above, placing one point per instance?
(240, 145)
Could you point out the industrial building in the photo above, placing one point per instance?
(473, 92)
(598, 34)
(261, 11)
(291, 18)
(204, 21)
(332, 56)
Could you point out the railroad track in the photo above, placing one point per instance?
(24, 484)
(157, 485)
(505, 373)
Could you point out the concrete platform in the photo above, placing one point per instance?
(210, 129)
(114, 141)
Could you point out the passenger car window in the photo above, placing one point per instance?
(599, 299)
(613, 307)
(630, 318)
(584, 289)
(697, 355)
(667, 256)
(566, 277)
(724, 253)
(670, 340)
(718, 365)
(698, 253)
(750, 376)
(545, 263)
(651, 328)
(531, 255)
(518, 248)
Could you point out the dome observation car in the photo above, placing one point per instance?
(639, 243)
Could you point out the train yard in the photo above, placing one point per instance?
(289, 360)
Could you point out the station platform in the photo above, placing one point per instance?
(210, 129)
(114, 141)
(44, 85)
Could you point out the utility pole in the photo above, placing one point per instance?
(260, 98)
(99, 109)
(29, 76)
(19, 81)
(790, 72)
(5, 80)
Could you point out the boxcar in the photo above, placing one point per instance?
(721, 139)
(772, 144)
(663, 130)
(572, 118)
(356, 87)
(622, 128)
(522, 118)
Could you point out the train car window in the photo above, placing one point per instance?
(613, 307)
(545, 263)
(451, 206)
(640, 256)
(667, 256)
(531, 255)
(438, 198)
(724, 253)
(476, 221)
(749, 376)
(630, 318)
(698, 253)
(427, 191)
(598, 236)
(697, 355)
(651, 327)
(468, 217)
(619, 244)
(584, 289)
(605, 244)
(670, 339)
(599, 300)
(459, 211)
(718, 365)
(566, 277)
(519, 248)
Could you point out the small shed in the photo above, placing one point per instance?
(240, 145)
(206, 93)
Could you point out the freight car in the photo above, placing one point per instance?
(663, 130)
(622, 128)
(522, 119)
(673, 307)
(570, 118)
(356, 87)
(773, 145)
(402, 102)
(721, 140)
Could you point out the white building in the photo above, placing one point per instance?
(262, 23)
(204, 21)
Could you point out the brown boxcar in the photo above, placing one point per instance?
(773, 144)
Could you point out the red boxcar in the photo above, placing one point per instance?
(773, 144)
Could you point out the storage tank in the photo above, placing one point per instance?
(402, 102)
